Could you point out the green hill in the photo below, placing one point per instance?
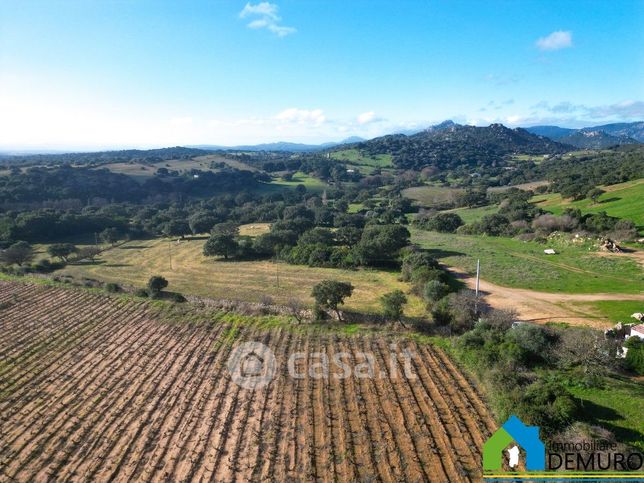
(451, 146)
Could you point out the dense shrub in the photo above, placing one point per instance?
(503, 356)
(546, 224)
(634, 360)
(415, 260)
(177, 297)
(533, 341)
(441, 222)
(381, 244)
(600, 222)
(112, 287)
(547, 404)
(434, 290)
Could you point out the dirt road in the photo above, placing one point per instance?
(543, 307)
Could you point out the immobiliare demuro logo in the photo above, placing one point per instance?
(561, 461)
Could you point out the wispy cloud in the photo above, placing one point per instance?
(624, 110)
(555, 41)
(311, 125)
(368, 118)
(264, 15)
(577, 115)
(301, 116)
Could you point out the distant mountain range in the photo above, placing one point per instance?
(281, 146)
(438, 141)
(595, 137)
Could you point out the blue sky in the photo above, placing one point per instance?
(146, 73)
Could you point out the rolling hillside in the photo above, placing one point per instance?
(450, 146)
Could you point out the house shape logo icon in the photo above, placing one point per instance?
(252, 365)
(526, 436)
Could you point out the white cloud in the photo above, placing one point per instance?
(555, 41)
(301, 116)
(368, 117)
(265, 17)
(265, 9)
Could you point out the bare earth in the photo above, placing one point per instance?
(94, 388)
(542, 307)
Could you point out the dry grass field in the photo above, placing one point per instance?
(431, 195)
(97, 388)
(141, 172)
(190, 272)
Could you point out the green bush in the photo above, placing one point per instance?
(547, 404)
(112, 287)
(435, 290)
(177, 297)
(442, 222)
(532, 339)
(634, 360)
(441, 314)
(155, 285)
(414, 261)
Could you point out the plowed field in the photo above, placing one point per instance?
(98, 388)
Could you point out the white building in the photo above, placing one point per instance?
(637, 331)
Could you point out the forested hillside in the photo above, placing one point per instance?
(454, 146)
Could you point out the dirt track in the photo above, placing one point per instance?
(542, 307)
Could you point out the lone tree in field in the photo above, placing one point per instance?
(392, 305)
(222, 241)
(295, 308)
(62, 250)
(19, 253)
(328, 294)
(155, 285)
(109, 235)
(594, 194)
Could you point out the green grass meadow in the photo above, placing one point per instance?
(470, 215)
(624, 200)
(355, 156)
(312, 184)
(617, 406)
(614, 310)
(514, 263)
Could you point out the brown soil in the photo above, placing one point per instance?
(543, 307)
(94, 388)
